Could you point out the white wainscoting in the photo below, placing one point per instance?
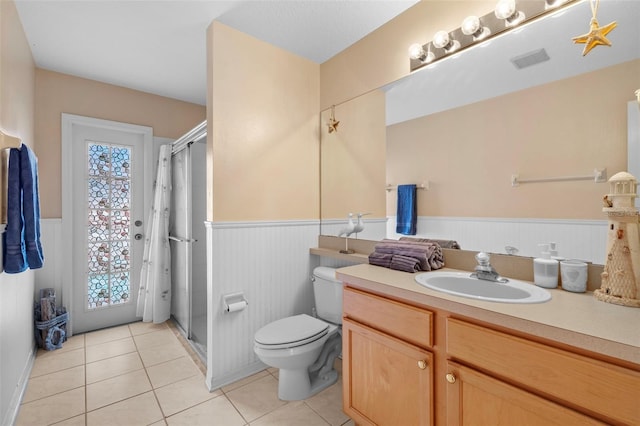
(270, 263)
(50, 275)
(576, 239)
(374, 229)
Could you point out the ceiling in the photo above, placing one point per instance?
(159, 46)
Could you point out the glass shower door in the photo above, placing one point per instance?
(198, 246)
(188, 244)
(180, 237)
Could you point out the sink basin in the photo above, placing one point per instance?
(462, 284)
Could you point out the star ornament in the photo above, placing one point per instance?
(597, 35)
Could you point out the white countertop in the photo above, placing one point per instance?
(575, 319)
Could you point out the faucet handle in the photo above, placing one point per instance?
(482, 258)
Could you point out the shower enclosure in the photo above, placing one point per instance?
(188, 238)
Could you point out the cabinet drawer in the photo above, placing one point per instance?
(603, 390)
(411, 324)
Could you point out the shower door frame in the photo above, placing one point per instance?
(184, 144)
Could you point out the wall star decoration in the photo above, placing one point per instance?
(597, 35)
(333, 123)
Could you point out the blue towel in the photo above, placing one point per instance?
(22, 248)
(31, 207)
(14, 255)
(407, 215)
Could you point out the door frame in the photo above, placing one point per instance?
(68, 123)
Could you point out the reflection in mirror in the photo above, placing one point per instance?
(352, 166)
(470, 122)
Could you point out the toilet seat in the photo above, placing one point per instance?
(290, 332)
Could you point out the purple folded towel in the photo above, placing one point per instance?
(447, 244)
(429, 255)
(405, 263)
(380, 259)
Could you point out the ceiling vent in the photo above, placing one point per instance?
(531, 58)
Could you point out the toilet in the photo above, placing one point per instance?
(303, 347)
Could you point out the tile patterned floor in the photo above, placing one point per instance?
(146, 374)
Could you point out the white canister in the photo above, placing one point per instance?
(574, 275)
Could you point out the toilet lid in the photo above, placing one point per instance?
(291, 331)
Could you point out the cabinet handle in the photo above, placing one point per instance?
(422, 364)
(451, 378)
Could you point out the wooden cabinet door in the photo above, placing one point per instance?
(386, 380)
(474, 398)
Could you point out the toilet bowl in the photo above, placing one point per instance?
(302, 347)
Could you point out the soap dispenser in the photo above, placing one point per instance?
(545, 269)
(553, 252)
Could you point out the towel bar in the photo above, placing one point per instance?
(598, 176)
(7, 141)
(423, 185)
(182, 240)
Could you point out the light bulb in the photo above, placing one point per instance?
(550, 4)
(470, 25)
(441, 39)
(473, 27)
(505, 9)
(416, 51)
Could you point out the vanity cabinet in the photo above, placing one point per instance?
(387, 369)
(476, 373)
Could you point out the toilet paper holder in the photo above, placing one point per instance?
(234, 302)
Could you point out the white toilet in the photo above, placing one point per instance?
(304, 348)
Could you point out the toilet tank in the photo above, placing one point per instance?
(327, 291)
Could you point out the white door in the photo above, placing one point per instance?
(103, 214)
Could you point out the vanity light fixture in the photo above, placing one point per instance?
(476, 30)
(506, 9)
(442, 40)
(472, 26)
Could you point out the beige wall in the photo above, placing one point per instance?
(262, 111)
(16, 77)
(17, 84)
(353, 158)
(61, 93)
(564, 128)
(381, 57)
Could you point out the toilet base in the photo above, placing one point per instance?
(294, 385)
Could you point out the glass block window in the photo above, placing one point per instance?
(109, 224)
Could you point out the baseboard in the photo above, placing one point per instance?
(14, 406)
(247, 371)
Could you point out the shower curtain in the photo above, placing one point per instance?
(154, 297)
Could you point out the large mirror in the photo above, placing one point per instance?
(465, 126)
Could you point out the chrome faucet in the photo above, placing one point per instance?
(484, 270)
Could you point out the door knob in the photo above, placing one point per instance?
(138, 236)
(451, 378)
(422, 364)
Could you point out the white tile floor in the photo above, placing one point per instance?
(146, 374)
